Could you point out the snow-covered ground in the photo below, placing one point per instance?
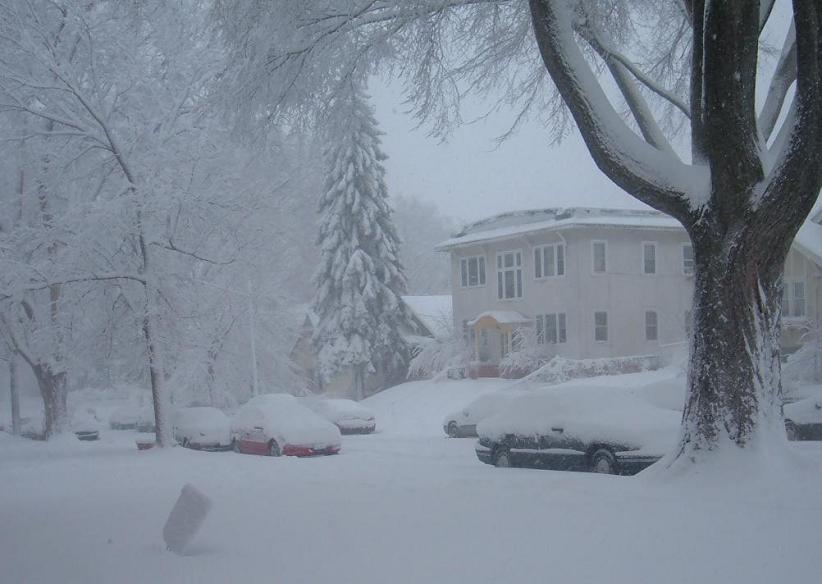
(405, 504)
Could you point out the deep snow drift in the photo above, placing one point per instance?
(404, 505)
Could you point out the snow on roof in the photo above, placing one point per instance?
(510, 225)
(808, 240)
(435, 312)
(501, 316)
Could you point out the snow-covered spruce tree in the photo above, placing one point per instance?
(360, 278)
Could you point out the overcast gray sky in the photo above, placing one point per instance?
(469, 177)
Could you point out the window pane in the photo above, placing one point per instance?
(650, 325)
(551, 328)
(687, 259)
(499, 286)
(549, 260)
(538, 263)
(540, 330)
(464, 272)
(649, 255)
(509, 284)
(799, 298)
(473, 272)
(560, 261)
(508, 260)
(519, 283)
(599, 257)
(562, 332)
(482, 270)
(601, 326)
(519, 259)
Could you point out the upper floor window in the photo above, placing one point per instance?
(651, 325)
(549, 260)
(472, 271)
(601, 326)
(599, 252)
(793, 299)
(687, 258)
(648, 257)
(509, 275)
(551, 328)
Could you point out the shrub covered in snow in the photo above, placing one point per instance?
(447, 357)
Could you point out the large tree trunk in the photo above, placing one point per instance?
(734, 388)
(53, 391)
(14, 390)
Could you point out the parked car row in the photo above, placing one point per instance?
(271, 424)
(607, 429)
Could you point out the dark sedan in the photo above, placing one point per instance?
(595, 429)
(803, 419)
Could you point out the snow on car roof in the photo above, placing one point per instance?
(588, 413)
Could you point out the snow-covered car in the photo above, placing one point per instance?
(202, 428)
(463, 424)
(602, 429)
(803, 419)
(144, 421)
(124, 418)
(277, 424)
(85, 424)
(349, 416)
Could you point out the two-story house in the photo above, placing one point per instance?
(592, 283)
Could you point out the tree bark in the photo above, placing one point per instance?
(53, 391)
(14, 391)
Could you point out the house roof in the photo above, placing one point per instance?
(507, 225)
(435, 312)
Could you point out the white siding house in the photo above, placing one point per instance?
(590, 283)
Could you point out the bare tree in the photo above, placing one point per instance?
(742, 191)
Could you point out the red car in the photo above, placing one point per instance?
(276, 424)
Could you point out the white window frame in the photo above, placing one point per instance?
(789, 299)
(539, 260)
(654, 326)
(597, 326)
(594, 256)
(643, 265)
(559, 330)
(483, 271)
(501, 269)
(682, 249)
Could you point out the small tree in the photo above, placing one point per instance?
(360, 278)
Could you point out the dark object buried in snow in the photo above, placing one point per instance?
(803, 419)
(185, 519)
(610, 430)
(276, 424)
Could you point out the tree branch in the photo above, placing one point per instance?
(782, 79)
(653, 177)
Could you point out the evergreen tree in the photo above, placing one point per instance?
(360, 278)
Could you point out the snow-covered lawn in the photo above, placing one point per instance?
(403, 505)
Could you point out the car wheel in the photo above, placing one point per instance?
(452, 430)
(235, 445)
(502, 457)
(790, 430)
(274, 448)
(604, 462)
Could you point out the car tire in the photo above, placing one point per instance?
(452, 430)
(791, 430)
(235, 445)
(502, 457)
(274, 448)
(603, 461)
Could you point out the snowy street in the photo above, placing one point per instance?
(404, 505)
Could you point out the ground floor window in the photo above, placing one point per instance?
(551, 328)
(601, 326)
(793, 299)
(651, 325)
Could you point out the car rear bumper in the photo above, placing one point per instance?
(356, 429)
(484, 454)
